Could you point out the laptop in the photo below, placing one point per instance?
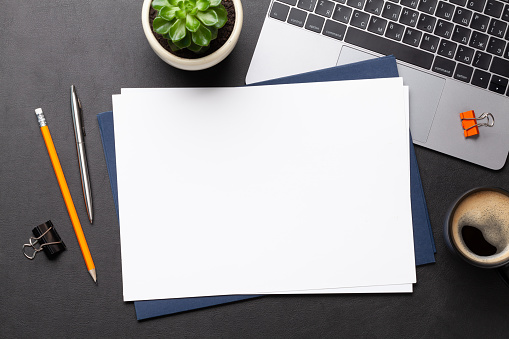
(453, 55)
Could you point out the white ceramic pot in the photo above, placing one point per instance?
(199, 63)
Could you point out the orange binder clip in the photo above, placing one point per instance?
(470, 125)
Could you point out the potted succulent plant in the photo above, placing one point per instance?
(192, 34)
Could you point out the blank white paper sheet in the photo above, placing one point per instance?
(259, 190)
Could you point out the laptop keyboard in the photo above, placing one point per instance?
(467, 40)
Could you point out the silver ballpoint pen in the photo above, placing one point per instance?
(79, 133)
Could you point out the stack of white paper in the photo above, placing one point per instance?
(301, 188)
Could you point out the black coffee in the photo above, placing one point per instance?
(474, 240)
(480, 228)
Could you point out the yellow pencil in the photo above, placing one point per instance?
(66, 194)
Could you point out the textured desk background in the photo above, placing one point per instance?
(99, 46)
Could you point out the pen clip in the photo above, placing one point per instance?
(81, 116)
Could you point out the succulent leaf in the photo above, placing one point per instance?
(178, 30)
(202, 36)
(158, 4)
(173, 47)
(222, 16)
(195, 48)
(168, 13)
(180, 14)
(192, 23)
(213, 31)
(185, 42)
(190, 5)
(208, 17)
(161, 26)
(214, 3)
(203, 5)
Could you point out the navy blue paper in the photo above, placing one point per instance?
(423, 238)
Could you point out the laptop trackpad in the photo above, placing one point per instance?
(425, 92)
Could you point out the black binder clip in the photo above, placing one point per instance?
(45, 238)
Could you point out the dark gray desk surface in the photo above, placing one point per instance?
(45, 46)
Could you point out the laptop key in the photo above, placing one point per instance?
(359, 19)
(463, 73)
(334, 30)
(476, 5)
(308, 5)
(410, 3)
(391, 11)
(494, 8)
(497, 28)
(444, 29)
(394, 31)
(412, 37)
(465, 54)
(297, 17)
(480, 22)
(279, 11)
(482, 60)
(481, 78)
(496, 46)
(500, 66)
(445, 10)
(430, 43)
(459, 2)
(505, 14)
(377, 25)
(443, 66)
(426, 23)
(461, 35)
(427, 6)
(359, 4)
(462, 16)
(384, 46)
(498, 84)
(374, 6)
(478, 40)
(314, 23)
(342, 14)
(409, 17)
(447, 48)
(325, 8)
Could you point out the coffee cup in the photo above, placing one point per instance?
(477, 229)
